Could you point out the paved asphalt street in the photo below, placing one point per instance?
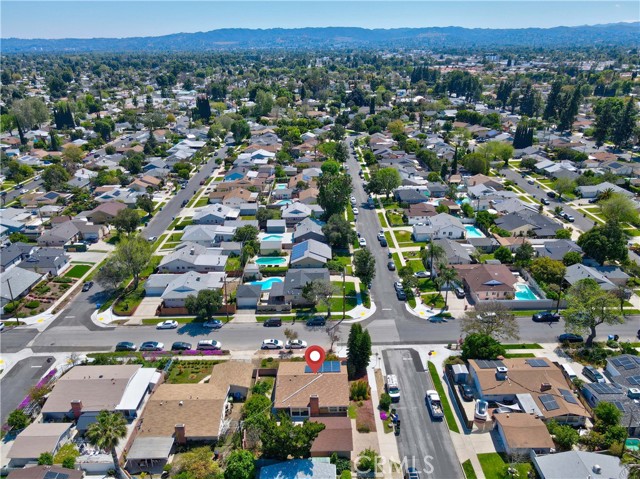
(423, 443)
(13, 194)
(15, 385)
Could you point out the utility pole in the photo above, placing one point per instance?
(226, 304)
(344, 303)
(12, 300)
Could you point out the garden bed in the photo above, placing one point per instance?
(190, 372)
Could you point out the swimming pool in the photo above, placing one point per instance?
(271, 238)
(284, 202)
(523, 292)
(632, 444)
(473, 232)
(267, 284)
(270, 260)
(281, 186)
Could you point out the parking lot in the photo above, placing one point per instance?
(422, 443)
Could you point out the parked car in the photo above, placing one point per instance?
(545, 317)
(551, 194)
(401, 295)
(544, 201)
(383, 243)
(481, 412)
(570, 338)
(353, 201)
(316, 321)
(272, 344)
(213, 324)
(593, 201)
(466, 392)
(295, 344)
(151, 346)
(362, 242)
(391, 266)
(181, 346)
(593, 374)
(168, 324)
(422, 274)
(398, 286)
(87, 286)
(355, 211)
(380, 235)
(209, 345)
(184, 203)
(459, 291)
(152, 239)
(272, 322)
(530, 181)
(569, 218)
(126, 346)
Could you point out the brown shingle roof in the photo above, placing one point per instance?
(37, 438)
(524, 431)
(39, 472)
(336, 435)
(294, 386)
(479, 277)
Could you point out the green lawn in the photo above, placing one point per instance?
(486, 257)
(416, 265)
(189, 372)
(201, 202)
(175, 237)
(233, 263)
(519, 355)
(396, 260)
(403, 236)
(345, 260)
(387, 236)
(435, 300)
(350, 215)
(158, 242)
(390, 204)
(426, 285)
(522, 346)
(382, 219)
(469, 472)
(494, 467)
(395, 218)
(77, 271)
(446, 407)
(127, 303)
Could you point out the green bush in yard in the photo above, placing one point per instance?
(33, 304)
(359, 390)
(345, 475)
(385, 402)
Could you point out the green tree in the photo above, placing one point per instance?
(606, 415)
(72, 157)
(358, 350)
(564, 436)
(563, 186)
(625, 124)
(338, 231)
(319, 291)
(447, 275)
(334, 192)
(145, 203)
(503, 254)
(481, 346)
(263, 103)
(126, 220)
(432, 255)
(589, 306)
(330, 167)
(240, 130)
(284, 439)
(528, 163)
(207, 303)
(197, 463)
(495, 150)
(364, 264)
(246, 233)
(369, 463)
(490, 318)
(54, 177)
(240, 464)
(45, 459)
(17, 171)
(388, 180)
(524, 254)
(605, 243)
(547, 270)
(66, 452)
(17, 237)
(106, 432)
(110, 275)
(572, 257)
(132, 255)
(476, 163)
(563, 234)
(619, 208)
(18, 419)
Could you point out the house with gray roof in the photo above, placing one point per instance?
(439, 226)
(308, 229)
(409, 196)
(192, 257)
(14, 253)
(175, 288)
(59, 235)
(310, 254)
(557, 248)
(248, 295)
(579, 465)
(608, 278)
(276, 226)
(294, 282)
(296, 212)
(455, 252)
(215, 215)
(592, 191)
(16, 283)
(528, 223)
(208, 235)
(52, 261)
(624, 398)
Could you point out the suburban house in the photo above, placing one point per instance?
(439, 226)
(522, 433)
(276, 226)
(14, 253)
(59, 235)
(51, 261)
(624, 399)
(208, 235)
(310, 254)
(84, 391)
(35, 439)
(537, 385)
(556, 249)
(578, 465)
(295, 212)
(45, 472)
(486, 282)
(336, 437)
(16, 283)
(608, 277)
(215, 215)
(192, 257)
(419, 213)
(455, 252)
(592, 191)
(175, 288)
(294, 282)
(528, 223)
(308, 229)
(248, 295)
(300, 397)
(409, 196)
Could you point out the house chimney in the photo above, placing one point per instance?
(314, 406)
(545, 387)
(192, 252)
(181, 433)
(76, 408)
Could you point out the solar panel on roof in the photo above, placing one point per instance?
(537, 363)
(619, 405)
(489, 364)
(568, 396)
(624, 362)
(634, 380)
(605, 388)
(327, 367)
(55, 475)
(299, 250)
(549, 402)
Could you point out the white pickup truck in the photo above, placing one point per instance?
(433, 400)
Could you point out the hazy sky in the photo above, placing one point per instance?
(119, 18)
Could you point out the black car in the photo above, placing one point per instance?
(401, 295)
(87, 286)
(570, 338)
(272, 322)
(125, 346)
(316, 321)
(184, 203)
(391, 266)
(466, 392)
(383, 242)
(551, 194)
(545, 317)
(544, 201)
(180, 346)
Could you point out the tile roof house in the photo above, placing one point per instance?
(336, 437)
(36, 439)
(537, 385)
(45, 472)
(522, 433)
(419, 213)
(192, 257)
(579, 465)
(486, 282)
(310, 254)
(302, 394)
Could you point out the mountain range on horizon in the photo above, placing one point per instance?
(341, 37)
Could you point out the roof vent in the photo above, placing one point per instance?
(634, 393)
(545, 387)
(180, 403)
(501, 373)
(597, 469)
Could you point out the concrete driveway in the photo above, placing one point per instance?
(148, 308)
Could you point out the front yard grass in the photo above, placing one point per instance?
(494, 466)
(202, 202)
(175, 237)
(469, 472)
(446, 407)
(426, 285)
(434, 300)
(522, 346)
(519, 355)
(77, 271)
(129, 302)
(403, 236)
(416, 265)
(395, 218)
(381, 218)
(396, 260)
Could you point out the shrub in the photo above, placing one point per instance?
(18, 419)
(627, 348)
(33, 304)
(359, 390)
(45, 459)
(69, 463)
(385, 402)
(262, 387)
(11, 307)
(612, 344)
(345, 475)
(363, 428)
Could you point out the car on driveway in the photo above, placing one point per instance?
(362, 242)
(87, 286)
(466, 392)
(391, 266)
(593, 374)
(459, 291)
(545, 317)
(316, 321)
(570, 338)
(295, 344)
(272, 322)
(168, 324)
(213, 324)
(126, 346)
(151, 346)
(209, 345)
(272, 344)
(181, 346)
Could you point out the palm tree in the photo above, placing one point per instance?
(434, 253)
(106, 433)
(447, 275)
(605, 194)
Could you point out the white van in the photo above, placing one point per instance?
(393, 389)
(568, 371)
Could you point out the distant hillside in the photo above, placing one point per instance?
(334, 37)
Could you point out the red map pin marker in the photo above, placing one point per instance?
(315, 357)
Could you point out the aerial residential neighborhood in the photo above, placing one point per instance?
(320, 253)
